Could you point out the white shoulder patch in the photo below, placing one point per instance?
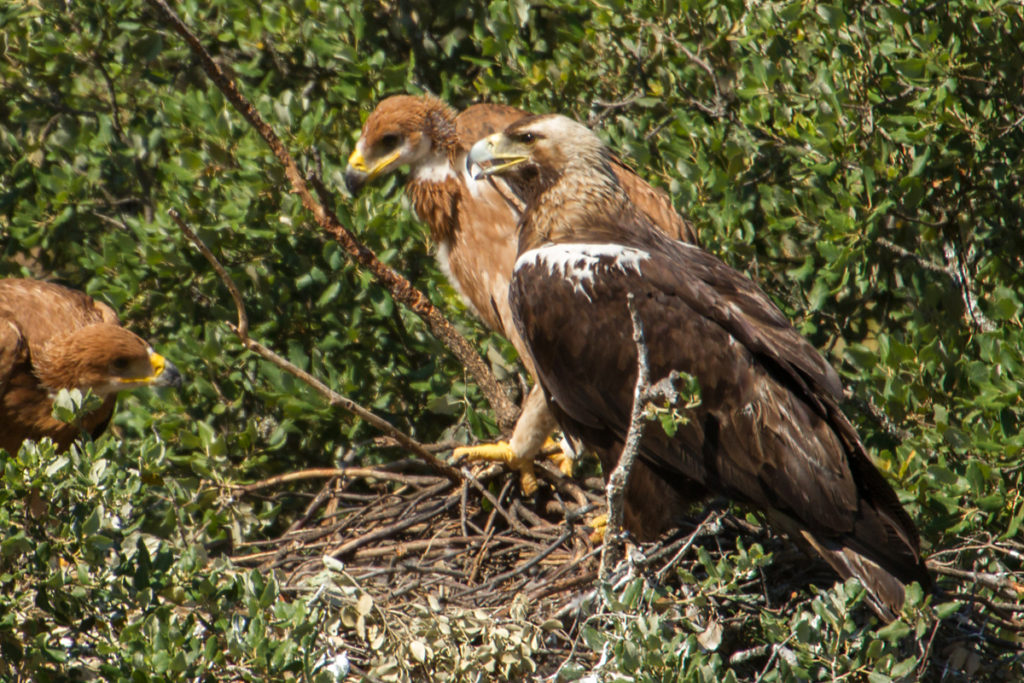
(579, 263)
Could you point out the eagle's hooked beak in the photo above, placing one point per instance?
(493, 154)
(164, 372)
(358, 172)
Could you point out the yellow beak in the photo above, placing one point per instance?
(359, 173)
(165, 374)
(158, 362)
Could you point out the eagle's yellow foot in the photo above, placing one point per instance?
(552, 450)
(501, 452)
(599, 524)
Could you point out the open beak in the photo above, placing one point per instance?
(494, 154)
(358, 172)
(164, 372)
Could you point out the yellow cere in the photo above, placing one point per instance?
(357, 161)
(157, 362)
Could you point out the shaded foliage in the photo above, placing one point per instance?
(862, 161)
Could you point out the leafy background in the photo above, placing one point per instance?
(862, 161)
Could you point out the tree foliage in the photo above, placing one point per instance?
(862, 161)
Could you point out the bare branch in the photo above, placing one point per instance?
(643, 393)
(958, 272)
(332, 472)
(718, 110)
(243, 319)
(955, 271)
(399, 287)
(336, 399)
(997, 582)
(884, 421)
(619, 479)
(905, 253)
(708, 525)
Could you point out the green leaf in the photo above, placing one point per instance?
(893, 632)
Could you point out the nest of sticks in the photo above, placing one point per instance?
(409, 538)
(413, 534)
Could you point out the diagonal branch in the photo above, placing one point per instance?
(333, 398)
(242, 330)
(399, 287)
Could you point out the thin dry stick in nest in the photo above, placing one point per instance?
(334, 398)
(512, 573)
(385, 532)
(707, 525)
(334, 472)
(400, 288)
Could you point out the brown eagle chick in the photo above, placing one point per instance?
(54, 338)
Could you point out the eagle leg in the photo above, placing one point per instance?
(530, 438)
(502, 451)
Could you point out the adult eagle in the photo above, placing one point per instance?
(474, 224)
(768, 431)
(54, 338)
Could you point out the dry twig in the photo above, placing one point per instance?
(334, 472)
(955, 270)
(707, 525)
(999, 583)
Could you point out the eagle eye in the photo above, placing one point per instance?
(121, 364)
(525, 138)
(390, 141)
